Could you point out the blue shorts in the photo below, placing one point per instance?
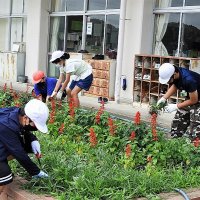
(82, 83)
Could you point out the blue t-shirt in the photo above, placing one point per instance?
(47, 90)
(188, 81)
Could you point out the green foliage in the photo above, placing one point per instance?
(79, 171)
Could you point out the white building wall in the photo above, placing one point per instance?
(37, 36)
(137, 39)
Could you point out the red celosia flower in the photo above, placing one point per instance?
(93, 138)
(137, 118)
(61, 129)
(99, 113)
(196, 142)
(132, 136)
(112, 126)
(128, 150)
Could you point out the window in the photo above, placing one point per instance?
(5, 7)
(74, 5)
(169, 3)
(3, 34)
(177, 33)
(190, 40)
(166, 34)
(57, 27)
(17, 7)
(58, 5)
(192, 2)
(13, 29)
(96, 4)
(112, 30)
(94, 39)
(113, 4)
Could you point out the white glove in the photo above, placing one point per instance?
(171, 107)
(161, 100)
(59, 95)
(41, 175)
(36, 147)
(53, 94)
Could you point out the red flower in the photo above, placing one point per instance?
(132, 136)
(61, 129)
(93, 138)
(112, 126)
(99, 113)
(128, 150)
(196, 142)
(137, 118)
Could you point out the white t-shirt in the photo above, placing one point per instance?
(79, 68)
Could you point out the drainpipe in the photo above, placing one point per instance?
(120, 50)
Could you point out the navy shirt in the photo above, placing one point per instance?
(10, 140)
(188, 81)
(48, 89)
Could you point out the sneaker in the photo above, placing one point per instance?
(99, 99)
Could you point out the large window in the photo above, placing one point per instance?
(177, 31)
(84, 25)
(13, 29)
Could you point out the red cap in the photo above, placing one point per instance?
(37, 76)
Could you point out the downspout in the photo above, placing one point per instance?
(120, 50)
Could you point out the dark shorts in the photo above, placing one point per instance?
(82, 83)
(5, 173)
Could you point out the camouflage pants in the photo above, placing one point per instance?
(187, 122)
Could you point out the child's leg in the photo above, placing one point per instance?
(74, 96)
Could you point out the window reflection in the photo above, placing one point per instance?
(94, 39)
(113, 4)
(58, 5)
(192, 2)
(166, 34)
(96, 4)
(57, 27)
(168, 3)
(3, 34)
(112, 30)
(74, 5)
(190, 37)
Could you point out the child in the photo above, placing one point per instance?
(82, 71)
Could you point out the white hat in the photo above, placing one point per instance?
(56, 55)
(166, 70)
(38, 112)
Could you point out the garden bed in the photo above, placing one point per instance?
(91, 155)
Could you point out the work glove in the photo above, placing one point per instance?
(53, 94)
(41, 175)
(59, 95)
(170, 108)
(161, 100)
(36, 147)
